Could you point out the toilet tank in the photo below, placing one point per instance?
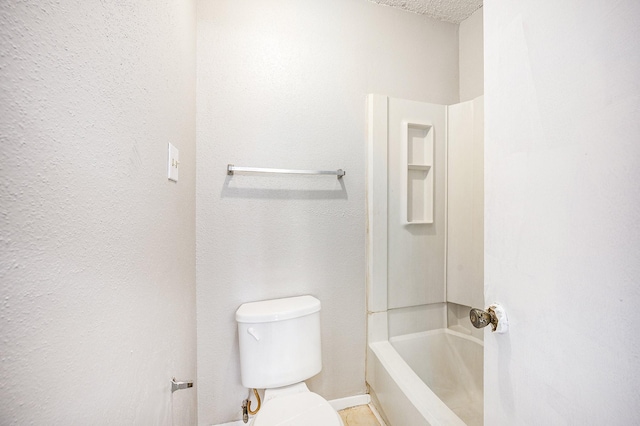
(279, 341)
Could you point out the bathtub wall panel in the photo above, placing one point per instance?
(465, 203)
(414, 319)
(416, 251)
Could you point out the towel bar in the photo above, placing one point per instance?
(231, 169)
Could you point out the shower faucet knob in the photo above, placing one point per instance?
(494, 315)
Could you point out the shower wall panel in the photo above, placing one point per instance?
(465, 203)
(416, 251)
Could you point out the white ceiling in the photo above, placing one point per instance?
(454, 11)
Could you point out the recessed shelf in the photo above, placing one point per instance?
(418, 167)
(417, 145)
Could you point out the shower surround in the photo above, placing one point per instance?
(424, 363)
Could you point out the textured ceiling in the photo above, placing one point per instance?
(454, 11)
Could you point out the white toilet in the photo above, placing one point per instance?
(279, 349)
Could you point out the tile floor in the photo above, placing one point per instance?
(361, 415)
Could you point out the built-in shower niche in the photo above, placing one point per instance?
(417, 145)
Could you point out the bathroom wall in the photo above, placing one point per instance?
(97, 257)
(284, 85)
(471, 60)
(562, 239)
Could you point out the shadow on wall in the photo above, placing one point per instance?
(284, 188)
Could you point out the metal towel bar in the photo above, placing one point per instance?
(231, 169)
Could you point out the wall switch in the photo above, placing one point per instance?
(173, 163)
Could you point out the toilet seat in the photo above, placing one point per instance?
(298, 409)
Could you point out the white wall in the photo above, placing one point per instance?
(562, 243)
(471, 57)
(97, 259)
(284, 84)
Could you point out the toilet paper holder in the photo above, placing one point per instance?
(179, 385)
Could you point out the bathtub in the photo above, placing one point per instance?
(428, 378)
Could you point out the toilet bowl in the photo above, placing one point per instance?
(280, 348)
(295, 405)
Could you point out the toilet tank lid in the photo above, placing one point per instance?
(277, 309)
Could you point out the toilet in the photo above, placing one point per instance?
(279, 349)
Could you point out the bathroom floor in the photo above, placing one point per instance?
(361, 415)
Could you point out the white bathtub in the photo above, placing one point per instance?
(429, 378)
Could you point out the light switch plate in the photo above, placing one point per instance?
(173, 163)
